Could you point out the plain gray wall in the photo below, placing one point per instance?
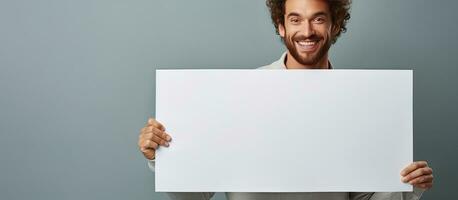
(77, 81)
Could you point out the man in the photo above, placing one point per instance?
(308, 28)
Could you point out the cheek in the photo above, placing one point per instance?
(289, 36)
(329, 31)
(290, 32)
(324, 30)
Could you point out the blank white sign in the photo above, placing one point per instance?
(284, 130)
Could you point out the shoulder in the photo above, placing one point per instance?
(266, 67)
(278, 64)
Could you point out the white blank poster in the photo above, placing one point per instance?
(284, 130)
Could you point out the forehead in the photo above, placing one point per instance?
(306, 7)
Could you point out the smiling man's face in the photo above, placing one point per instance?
(307, 31)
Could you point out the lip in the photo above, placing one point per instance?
(306, 48)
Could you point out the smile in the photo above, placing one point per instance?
(306, 45)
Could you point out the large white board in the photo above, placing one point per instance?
(284, 130)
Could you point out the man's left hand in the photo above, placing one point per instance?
(418, 174)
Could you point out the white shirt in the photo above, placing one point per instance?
(415, 195)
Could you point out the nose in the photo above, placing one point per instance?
(307, 29)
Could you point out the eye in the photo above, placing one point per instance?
(294, 20)
(319, 20)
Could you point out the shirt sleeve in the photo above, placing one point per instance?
(414, 195)
(190, 195)
(151, 164)
(360, 195)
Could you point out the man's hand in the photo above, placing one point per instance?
(151, 137)
(418, 174)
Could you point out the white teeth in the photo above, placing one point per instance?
(306, 43)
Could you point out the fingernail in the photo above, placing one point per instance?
(167, 144)
(168, 138)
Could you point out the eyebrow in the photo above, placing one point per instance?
(291, 14)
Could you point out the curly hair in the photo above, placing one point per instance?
(340, 14)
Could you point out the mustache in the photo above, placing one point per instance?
(313, 37)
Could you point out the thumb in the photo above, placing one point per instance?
(150, 121)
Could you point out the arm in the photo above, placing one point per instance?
(360, 195)
(415, 195)
(418, 174)
(151, 137)
(190, 195)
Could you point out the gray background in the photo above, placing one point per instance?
(77, 81)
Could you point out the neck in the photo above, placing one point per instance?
(292, 63)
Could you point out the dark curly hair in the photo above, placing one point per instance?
(340, 14)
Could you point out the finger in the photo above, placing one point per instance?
(168, 137)
(142, 131)
(413, 166)
(162, 135)
(160, 141)
(146, 136)
(149, 144)
(153, 130)
(149, 154)
(422, 179)
(147, 129)
(417, 173)
(424, 185)
(155, 123)
(150, 121)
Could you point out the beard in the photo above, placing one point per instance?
(308, 58)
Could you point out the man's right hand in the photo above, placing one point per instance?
(151, 137)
